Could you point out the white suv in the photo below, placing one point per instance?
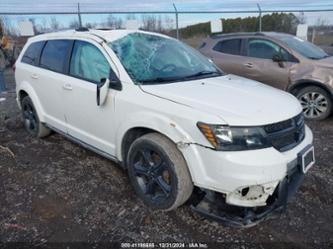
(178, 124)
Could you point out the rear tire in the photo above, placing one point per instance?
(31, 120)
(316, 102)
(158, 172)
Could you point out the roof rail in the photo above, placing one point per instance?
(97, 35)
(91, 31)
(217, 36)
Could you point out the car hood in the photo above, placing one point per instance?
(326, 62)
(237, 100)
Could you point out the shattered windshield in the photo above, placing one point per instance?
(153, 59)
(305, 48)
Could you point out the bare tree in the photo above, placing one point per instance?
(321, 22)
(8, 28)
(159, 24)
(74, 24)
(149, 22)
(168, 23)
(301, 18)
(130, 17)
(42, 28)
(114, 23)
(1, 27)
(91, 25)
(54, 24)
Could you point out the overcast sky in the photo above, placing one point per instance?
(165, 5)
(40, 5)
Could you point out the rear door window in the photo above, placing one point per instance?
(88, 63)
(32, 54)
(55, 55)
(231, 46)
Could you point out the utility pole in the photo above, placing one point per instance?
(79, 14)
(260, 21)
(177, 27)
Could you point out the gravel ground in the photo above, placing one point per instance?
(52, 190)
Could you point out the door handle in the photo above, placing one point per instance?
(67, 86)
(248, 65)
(34, 76)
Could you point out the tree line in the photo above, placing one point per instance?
(279, 22)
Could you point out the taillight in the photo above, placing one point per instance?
(14, 67)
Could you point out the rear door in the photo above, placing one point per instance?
(227, 54)
(259, 64)
(49, 80)
(27, 68)
(91, 124)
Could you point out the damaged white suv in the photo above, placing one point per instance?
(178, 124)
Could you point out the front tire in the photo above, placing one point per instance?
(316, 102)
(158, 172)
(31, 120)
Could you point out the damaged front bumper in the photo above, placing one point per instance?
(213, 204)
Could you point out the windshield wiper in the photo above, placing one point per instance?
(203, 73)
(158, 80)
(174, 79)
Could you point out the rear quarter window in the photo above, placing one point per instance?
(32, 53)
(231, 46)
(55, 55)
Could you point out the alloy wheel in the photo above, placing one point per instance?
(30, 118)
(314, 104)
(153, 174)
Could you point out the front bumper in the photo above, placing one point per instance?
(257, 172)
(212, 204)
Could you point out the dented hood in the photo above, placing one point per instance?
(236, 100)
(326, 62)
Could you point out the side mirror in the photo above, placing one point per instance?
(103, 87)
(114, 81)
(277, 58)
(102, 91)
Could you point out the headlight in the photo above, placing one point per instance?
(234, 138)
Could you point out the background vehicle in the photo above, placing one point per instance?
(167, 114)
(280, 60)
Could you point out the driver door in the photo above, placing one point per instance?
(259, 65)
(86, 121)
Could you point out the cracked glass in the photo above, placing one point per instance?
(154, 59)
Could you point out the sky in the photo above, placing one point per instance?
(142, 5)
(163, 5)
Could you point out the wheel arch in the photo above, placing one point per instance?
(143, 123)
(27, 90)
(306, 83)
(129, 137)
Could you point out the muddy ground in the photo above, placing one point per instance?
(52, 190)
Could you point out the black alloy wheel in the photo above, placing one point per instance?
(153, 174)
(30, 117)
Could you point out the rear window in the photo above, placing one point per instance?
(55, 54)
(31, 55)
(232, 46)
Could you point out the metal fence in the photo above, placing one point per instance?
(189, 25)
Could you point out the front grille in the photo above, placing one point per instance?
(287, 134)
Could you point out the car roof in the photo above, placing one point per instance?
(95, 34)
(245, 34)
